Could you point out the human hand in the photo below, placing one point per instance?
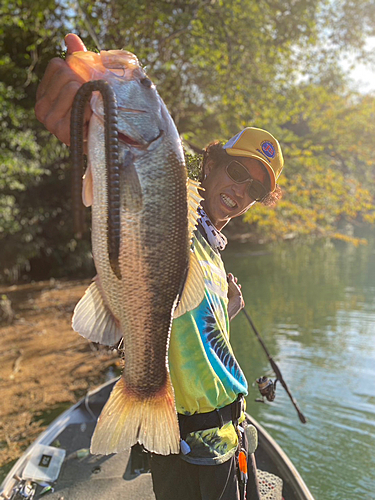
(56, 92)
(235, 298)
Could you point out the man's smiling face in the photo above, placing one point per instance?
(224, 198)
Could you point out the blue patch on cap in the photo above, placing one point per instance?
(268, 149)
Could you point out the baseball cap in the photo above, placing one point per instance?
(259, 144)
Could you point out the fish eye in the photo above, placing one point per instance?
(146, 82)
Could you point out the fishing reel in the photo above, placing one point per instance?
(25, 489)
(267, 389)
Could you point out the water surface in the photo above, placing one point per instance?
(314, 305)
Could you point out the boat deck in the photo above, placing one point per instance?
(96, 477)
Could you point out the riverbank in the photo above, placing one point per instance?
(45, 366)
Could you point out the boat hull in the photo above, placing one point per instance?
(80, 471)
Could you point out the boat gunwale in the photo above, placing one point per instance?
(282, 460)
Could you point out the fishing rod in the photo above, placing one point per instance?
(275, 368)
(88, 24)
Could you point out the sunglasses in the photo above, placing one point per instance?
(239, 174)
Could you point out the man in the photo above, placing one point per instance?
(208, 383)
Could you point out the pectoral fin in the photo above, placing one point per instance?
(87, 188)
(131, 187)
(93, 320)
(193, 292)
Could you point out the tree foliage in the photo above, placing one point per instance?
(330, 174)
(219, 65)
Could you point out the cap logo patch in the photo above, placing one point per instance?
(268, 149)
(264, 156)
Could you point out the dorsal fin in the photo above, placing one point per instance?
(193, 198)
(193, 292)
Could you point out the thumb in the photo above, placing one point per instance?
(74, 43)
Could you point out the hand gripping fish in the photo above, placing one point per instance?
(144, 211)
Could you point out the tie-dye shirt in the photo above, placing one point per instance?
(205, 374)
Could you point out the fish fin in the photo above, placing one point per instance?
(93, 320)
(128, 418)
(87, 188)
(194, 199)
(132, 198)
(193, 291)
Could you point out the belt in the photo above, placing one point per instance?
(211, 419)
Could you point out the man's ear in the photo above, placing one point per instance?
(209, 165)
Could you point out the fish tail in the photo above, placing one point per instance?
(127, 419)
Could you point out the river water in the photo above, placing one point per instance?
(314, 306)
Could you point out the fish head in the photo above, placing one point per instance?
(143, 118)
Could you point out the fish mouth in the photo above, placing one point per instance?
(137, 144)
(130, 110)
(129, 141)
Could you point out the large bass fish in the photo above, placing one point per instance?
(143, 216)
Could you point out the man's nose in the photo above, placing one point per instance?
(240, 189)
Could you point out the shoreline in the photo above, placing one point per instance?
(45, 367)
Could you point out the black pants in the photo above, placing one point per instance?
(175, 479)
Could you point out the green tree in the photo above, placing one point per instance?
(219, 65)
(329, 178)
(35, 227)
